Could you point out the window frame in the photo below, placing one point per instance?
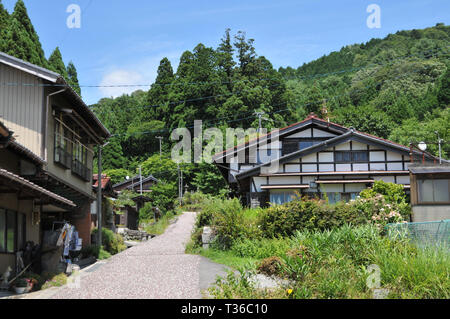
(433, 202)
(5, 212)
(352, 157)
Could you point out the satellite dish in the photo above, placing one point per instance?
(422, 146)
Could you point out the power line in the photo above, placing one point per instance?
(239, 92)
(273, 112)
(313, 76)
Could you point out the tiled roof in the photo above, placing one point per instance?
(27, 184)
(105, 180)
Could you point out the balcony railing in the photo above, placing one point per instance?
(63, 157)
(81, 170)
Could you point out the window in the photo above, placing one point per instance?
(433, 190)
(334, 198)
(79, 161)
(352, 157)
(281, 197)
(62, 145)
(12, 231)
(294, 145)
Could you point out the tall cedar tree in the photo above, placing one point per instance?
(21, 15)
(56, 63)
(72, 77)
(4, 22)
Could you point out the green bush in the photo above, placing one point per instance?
(111, 242)
(312, 214)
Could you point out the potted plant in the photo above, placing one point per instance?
(23, 285)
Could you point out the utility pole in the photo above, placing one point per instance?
(99, 197)
(160, 138)
(179, 182)
(259, 115)
(140, 178)
(99, 194)
(440, 147)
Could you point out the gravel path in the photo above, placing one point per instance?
(155, 269)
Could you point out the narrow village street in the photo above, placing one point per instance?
(155, 269)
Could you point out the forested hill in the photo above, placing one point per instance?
(396, 88)
(19, 39)
(423, 43)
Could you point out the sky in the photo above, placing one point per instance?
(121, 42)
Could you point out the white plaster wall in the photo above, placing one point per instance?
(326, 168)
(320, 133)
(376, 156)
(343, 167)
(326, 157)
(377, 167)
(357, 146)
(360, 167)
(343, 147)
(304, 133)
(309, 168)
(395, 166)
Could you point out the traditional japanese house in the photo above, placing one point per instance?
(314, 157)
(21, 201)
(51, 120)
(134, 184)
(107, 210)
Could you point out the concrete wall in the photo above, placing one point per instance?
(428, 213)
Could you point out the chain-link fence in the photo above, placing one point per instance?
(423, 234)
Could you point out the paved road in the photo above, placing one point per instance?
(155, 269)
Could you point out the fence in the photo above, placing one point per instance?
(423, 234)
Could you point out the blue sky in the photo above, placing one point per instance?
(122, 42)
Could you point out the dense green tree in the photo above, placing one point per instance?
(4, 22)
(20, 16)
(113, 157)
(56, 63)
(245, 51)
(444, 89)
(72, 77)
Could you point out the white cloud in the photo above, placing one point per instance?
(119, 82)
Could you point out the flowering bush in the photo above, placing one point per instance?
(379, 212)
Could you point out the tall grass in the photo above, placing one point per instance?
(334, 264)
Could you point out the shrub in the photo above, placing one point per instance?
(111, 242)
(90, 251)
(230, 223)
(271, 266)
(312, 214)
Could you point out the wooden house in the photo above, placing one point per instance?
(314, 157)
(21, 201)
(51, 120)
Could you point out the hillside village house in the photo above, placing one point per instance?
(128, 216)
(316, 157)
(20, 199)
(59, 132)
